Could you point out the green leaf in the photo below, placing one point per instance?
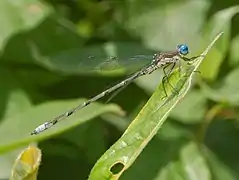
(191, 109)
(89, 136)
(219, 169)
(18, 101)
(172, 130)
(234, 54)
(181, 159)
(190, 164)
(124, 152)
(21, 15)
(13, 98)
(221, 21)
(161, 25)
(225, 91)
(150, 166)
(27, 164)
(23, 124)
(221, 134)
(50, 37)
(194, 163)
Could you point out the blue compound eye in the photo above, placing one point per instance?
(182, 49)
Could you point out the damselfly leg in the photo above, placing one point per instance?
(166, 79)
(167, 74)
(190, 60)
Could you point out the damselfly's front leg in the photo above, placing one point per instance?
(191, 59)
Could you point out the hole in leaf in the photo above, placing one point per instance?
(117, 168)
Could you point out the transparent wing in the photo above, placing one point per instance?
(122, 59)
(128, 64)
(104, 64)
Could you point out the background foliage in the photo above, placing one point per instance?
(44, 71)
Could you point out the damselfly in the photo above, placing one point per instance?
(160, 60)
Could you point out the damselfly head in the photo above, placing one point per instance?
(182, 49)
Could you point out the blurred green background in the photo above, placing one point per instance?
(44, 70)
